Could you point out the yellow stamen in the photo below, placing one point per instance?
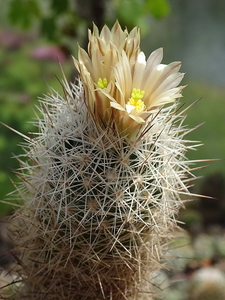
(136, 101)
(102, 83)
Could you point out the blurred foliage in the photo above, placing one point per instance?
(210, 131)
(23, 12)
(133, 12)
(57, 19)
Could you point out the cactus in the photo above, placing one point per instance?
(103, 179)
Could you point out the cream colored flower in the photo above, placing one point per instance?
(98, 64)
(119, 83)
(143, 88)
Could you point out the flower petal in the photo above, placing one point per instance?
(170, 82)
(139, 68)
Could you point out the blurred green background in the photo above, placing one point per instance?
(37, 35)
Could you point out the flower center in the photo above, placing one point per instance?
(102, 83)
(136, 101)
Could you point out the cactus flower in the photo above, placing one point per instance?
(98, 64)
(114, 69)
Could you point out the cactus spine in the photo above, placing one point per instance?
(102, 183)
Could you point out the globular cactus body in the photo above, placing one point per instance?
(99, 201)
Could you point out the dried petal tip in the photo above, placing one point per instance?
(117, 77)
